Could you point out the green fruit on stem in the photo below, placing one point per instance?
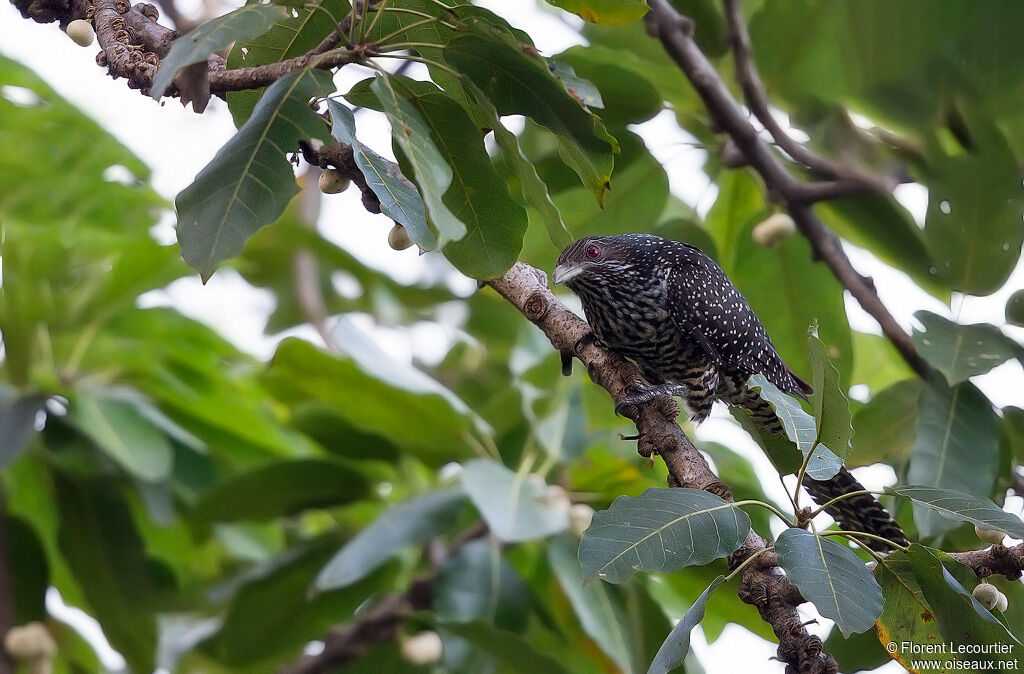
(333, 181)
(989, 535)
(398, 238)
(987, 595)
(773, 230)
(81, 32)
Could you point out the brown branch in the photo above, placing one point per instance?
(676, 35)
(997, 560)
(851, 177)
(762, 583)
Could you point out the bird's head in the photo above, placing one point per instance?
(597, 257)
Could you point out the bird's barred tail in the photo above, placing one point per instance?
(856, 513)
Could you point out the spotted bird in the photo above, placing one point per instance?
(671, 309)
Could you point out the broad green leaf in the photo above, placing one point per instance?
(961, 619)
(518, 82)
(743, 479)
(627, 94)
(414, 521)
(962, 351)
(858, 652)
(594, 604)
(831, 408)
(493, 222)
(478, 584)
(515, 508)
(604, 11)
(373, 393)
(783, 455)
(800, 428)
(1015, 308)
(877, 364)
(535, 191)
(398, 197)
(660, 530)
(673, 652)
(283, 488)
(961, 507)
(975, 205)
(290, 36)
(885, 425)
(1013, 428)
(123, 434)
(508, 647)
(831, 577)
(956, 447)
(240, 25)
(272, 614)
(581, 89)
(906, 615)
(433, 173)
(250, 181)
(101, 545)
(17, 421)
(27, 565)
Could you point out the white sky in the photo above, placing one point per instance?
(176, 143)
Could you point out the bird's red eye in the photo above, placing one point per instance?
(593, 251)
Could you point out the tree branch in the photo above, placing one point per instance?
(997, 560)
(676, 35)
(853, 179)
(762, 583)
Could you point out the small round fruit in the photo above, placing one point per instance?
(773, 230)
(398, 238)
(333, 181)
(987, 595)
(422, 649)
(580, 517)
(989, 535)
(1002, 603)
(81, 32)
(29, 641)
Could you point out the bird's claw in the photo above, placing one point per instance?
(587, 339)
(645, 394)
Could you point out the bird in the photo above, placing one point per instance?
(670, 308)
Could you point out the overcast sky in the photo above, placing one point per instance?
(176, 143)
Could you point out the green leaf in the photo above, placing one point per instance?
(660, 530)
(783, 455)
(373, 393)
(800, 428)
(240, 25)
(535, 191)
(518, 82)
(975, 200)
(398, 197)
(123, 434)
(250, 181)
(1015, 308)
(283, 488)
(831, 577)
(831, 408)
(957, 447)
(104, 552)
(858, 652)
(961, 507)
(17, 421)
(961, 619)
(962, 351)
(433, 173)
(414, 521)
(515, 508)
(508, 647)
(594, 604)
(290, 36)
(477, 583)
(27, 564)
(626, 93)
(906, 615)
(885, 425)
(673, 652)
(877, 364)
(604, 11)
(272, 613)
(435, 128)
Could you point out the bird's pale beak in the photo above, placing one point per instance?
(566, 271)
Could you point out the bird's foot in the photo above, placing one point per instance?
(587, 339)
(643, 394)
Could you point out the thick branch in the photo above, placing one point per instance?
(762, 585)
(995, 561)
(676, 35)
(852, 178)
